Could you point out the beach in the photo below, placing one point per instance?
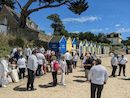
(76, 86)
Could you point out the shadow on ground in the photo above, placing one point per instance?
(125, 78)
(49, 85)
(19, 88)
(79, 76)
(79, 81)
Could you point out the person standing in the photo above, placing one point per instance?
(22, 66)
(31, 67)
(3, 72)
(114, 64)
(54, 69)
(75, 59)
(63, 67)
(41, 60)
(68, 58)
(27, 52)
(122, 64)
(98, 77)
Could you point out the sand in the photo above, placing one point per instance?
(76, 86)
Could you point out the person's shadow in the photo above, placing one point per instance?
(49, 85)
(19, 88)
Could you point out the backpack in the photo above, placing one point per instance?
(56, 66)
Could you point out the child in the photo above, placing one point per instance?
(54, 69)
(63, 67)
(75, 59)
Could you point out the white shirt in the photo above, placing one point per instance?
(13, 52)
(28, 51)
(75, 58)
(68, 56)
(122, 61)
(63, 66)
(32, 62)
(21, 63)
(40, 58)
(98, 75)
(114, 61)
(3, 67)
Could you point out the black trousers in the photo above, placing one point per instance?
(114, 70)
(74, 64)
(31, 77)
(21, 73)
(96, 90)
(69, 66)
(39, 71)
(120, 69)
(54, 76)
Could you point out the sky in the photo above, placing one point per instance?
(102, 16)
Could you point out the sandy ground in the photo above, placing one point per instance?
(76, 86)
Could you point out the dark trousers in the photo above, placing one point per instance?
(69, 66)
(114, 70)
(54, 76)
(96, 90)
(120, 69)
(39, 71)
(21, 73)
(74, 64)
(31, 77)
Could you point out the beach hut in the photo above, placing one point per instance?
(84, 47)
(87, 46)
(69, 44)
(74, 45)
(99, 49)
(58, 44)
(91, 47)
(80, 48)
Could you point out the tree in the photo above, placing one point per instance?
(57, 25)
(10, 3)
(76, 6)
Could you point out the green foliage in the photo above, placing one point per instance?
(126, 42)
(39, 43)
(10, 3)
(57, 25)
(16, 42)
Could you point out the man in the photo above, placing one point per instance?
(122, 64)
(27, 52)
(31, 67)
(98, 77)
(114, 64)
(68, 58)
(41, 49)
(22, 66)
(41, 60)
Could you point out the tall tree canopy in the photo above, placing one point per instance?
(9, 3)
(57, 25)
(76, 6)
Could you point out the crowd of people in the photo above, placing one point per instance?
(32, 62)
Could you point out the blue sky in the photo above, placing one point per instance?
(102, 16)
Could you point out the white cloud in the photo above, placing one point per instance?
(96, 30)
(117, 25)
(123, 30)
(82, 19)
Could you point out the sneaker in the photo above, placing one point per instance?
(4, 86)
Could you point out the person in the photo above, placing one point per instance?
(68, 58)
(114, 64)
(3, 72)
(17, 54)
(54, 62)
(27, 52)
(21, 63)
(75, 59)
(31, 67)
(41, 49)
(63, 66)
(122, 64)
(98, 77)
(41, 61)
